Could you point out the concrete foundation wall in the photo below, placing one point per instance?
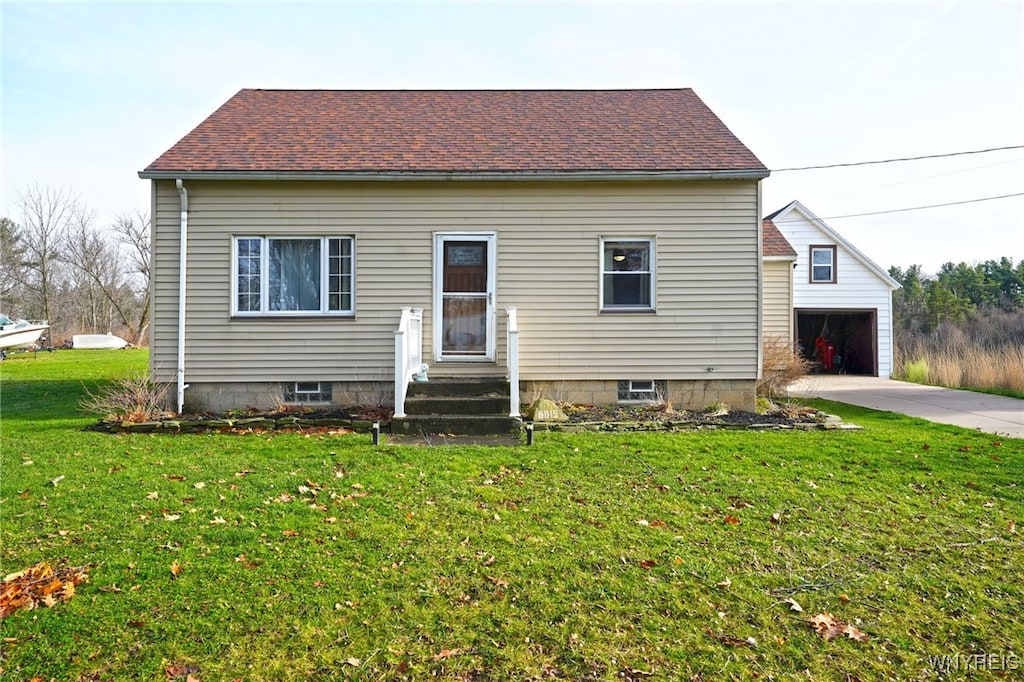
(684, 395)
(222, 397)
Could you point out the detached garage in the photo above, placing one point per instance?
(842, 300)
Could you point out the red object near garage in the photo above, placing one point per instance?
(826, 353)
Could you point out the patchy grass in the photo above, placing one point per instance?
(589, 556)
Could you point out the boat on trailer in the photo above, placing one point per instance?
(20, 333)
(97, 342)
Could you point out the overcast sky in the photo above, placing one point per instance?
(92, 93)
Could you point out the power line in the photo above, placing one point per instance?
(921, 208)
(905, 158)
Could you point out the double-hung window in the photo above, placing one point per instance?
(627, 274)
(293, 276)
(823, 264)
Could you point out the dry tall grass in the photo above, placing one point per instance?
(962, 365)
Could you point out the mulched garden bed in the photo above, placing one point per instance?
(656, 418)
(580, 418)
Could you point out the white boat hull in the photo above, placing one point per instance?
(97, 342)
(17, 336)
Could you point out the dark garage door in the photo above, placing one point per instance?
(852, 333)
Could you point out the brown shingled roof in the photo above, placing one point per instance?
(773, 243)
(472, 131)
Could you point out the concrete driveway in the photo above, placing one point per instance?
(989, 413)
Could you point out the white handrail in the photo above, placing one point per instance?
(408, 354)
(512, 333)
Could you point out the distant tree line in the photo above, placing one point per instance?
(962, 328)
(58, 264)
(956, 293)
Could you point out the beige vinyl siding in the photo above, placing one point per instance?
(548, 247)
(778, 299)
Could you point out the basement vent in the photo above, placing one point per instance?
(307, 391)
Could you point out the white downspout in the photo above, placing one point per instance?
(182, 261)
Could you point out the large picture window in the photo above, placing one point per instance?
(293, 275)
(627, 274)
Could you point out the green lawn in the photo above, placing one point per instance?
(589, 556)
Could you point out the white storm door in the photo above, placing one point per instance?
(464, 265)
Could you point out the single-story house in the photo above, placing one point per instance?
(825, 296)
(591, 245)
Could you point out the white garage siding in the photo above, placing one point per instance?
(860, 283)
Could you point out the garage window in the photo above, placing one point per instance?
(823, 264)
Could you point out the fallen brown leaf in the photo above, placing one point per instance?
(175, 569)
(176, 671)
(729, 518)
(448, 653)
(41, 584)
(855, 634)
(829, 627)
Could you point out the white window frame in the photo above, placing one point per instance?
(833, 252)
(652, 271)
(302, 396)
(264, 310)
(636, 393)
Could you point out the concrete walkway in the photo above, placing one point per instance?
(989, 413)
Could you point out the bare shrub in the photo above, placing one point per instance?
(133, 399)
(780, 367)
(793, 409)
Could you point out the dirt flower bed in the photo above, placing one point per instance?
(580, 418)
(658, 417)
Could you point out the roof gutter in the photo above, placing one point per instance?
(182, 262)
(460, 176)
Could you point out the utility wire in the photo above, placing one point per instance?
(905, 158)
(912, 208)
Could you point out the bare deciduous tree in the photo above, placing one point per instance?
(12, 266)
(58, 265)
(107, 280)
(46, 216)
(134, 233)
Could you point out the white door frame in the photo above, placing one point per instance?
(491, 237)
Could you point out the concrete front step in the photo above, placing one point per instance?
(464, 388)
(455, 424)
(439, 405)
(473, 406)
